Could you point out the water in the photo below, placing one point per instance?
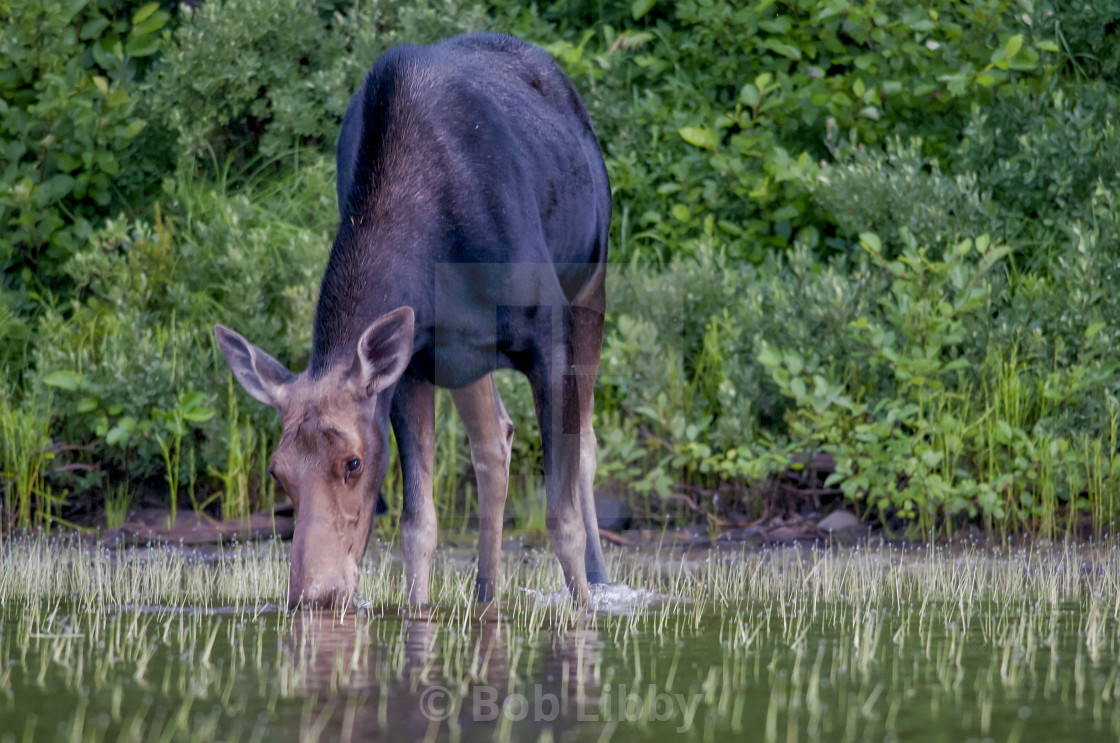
(948, 662)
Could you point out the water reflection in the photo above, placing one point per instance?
(423, 676)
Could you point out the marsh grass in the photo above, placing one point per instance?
(246, 463)
(117, 502)
(25, 451)
(817, 644)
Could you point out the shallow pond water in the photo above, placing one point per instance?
(772, 646)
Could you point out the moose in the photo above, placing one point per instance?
(474, 213)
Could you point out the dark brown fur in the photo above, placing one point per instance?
(474, 211)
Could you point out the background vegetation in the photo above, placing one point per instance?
(864, 252)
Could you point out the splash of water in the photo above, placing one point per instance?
(610, 598)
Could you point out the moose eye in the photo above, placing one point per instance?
(353, 467)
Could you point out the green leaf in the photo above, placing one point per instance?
(794, 362)
(1093, 329)
(142, 46)
(767, 357)
(641, 7)
(64, 379)
(54, 189)
(681, 212)
(870, 241)
(119, 434)
(749, 95)
(86, 404)
(1014, 44)
(73, 8)
(107, 163)
(93, 28)
(116, 98)
(1025, 60)
(144, 12)
(198, 415)
(988, 78)
(699, 137)
(151, 25)
(102, 84)
(784, 49)
(192, 407)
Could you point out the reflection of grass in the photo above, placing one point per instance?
(824, 646)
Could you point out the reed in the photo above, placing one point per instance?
(820, 644)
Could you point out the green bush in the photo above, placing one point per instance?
(1086, 29)
(717, 112)
(897, 190)
(123, 358)
(1042, 159)
(68, 124)
(243, 77)
(249, 78)
(884, 232)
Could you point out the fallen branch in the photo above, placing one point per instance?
(615, 538)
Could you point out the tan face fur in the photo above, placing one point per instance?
(333, 452)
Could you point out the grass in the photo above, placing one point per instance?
(784, 645)
(117, 502)
(24, 452)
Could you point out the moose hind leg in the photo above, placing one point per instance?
(557, 401)
(490, 431)
(413, 418)
(585, 323)
(594, 561)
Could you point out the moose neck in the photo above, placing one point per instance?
(365, 277)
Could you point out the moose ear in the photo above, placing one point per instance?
(385, 349)
(262, 376)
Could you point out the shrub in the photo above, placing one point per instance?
(714, 113)
(125, 358)
(1042, 158)
(68, 124)
(249, 78)
(897, 190)
(749, 146)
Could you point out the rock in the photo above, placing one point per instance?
(613, 514)
(837, 521)
(784, 534)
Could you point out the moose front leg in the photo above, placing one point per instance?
(413, 418)
(490, 431)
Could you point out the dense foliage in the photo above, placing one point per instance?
(882, 236)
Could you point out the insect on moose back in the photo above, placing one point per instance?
(474, 213)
